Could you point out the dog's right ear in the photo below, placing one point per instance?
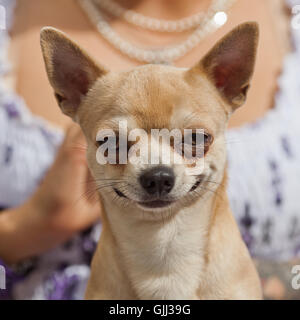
(70, 70)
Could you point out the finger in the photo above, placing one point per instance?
(75, 139)
(74, 133)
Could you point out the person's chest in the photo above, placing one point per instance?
(32, 84)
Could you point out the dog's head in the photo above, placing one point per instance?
(190, 106)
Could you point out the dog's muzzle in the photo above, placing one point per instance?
(158, 181)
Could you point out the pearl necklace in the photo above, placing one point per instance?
(165, 55)
(153, 24)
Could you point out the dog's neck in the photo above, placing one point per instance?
(175, 246)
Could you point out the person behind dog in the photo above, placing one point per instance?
(50, 220)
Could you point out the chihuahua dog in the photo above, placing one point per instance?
(167, 234)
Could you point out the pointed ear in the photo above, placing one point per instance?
(230, 63)
(70, 70)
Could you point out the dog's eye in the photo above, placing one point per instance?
(100, 143)
(196, 144)
(113, 148)
(196, 138)
(114, 145)
(204, 138)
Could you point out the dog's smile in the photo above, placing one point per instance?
(155, 204)
(119, 193)
(197, 183)
(157, 201)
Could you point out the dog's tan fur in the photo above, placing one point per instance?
(193, 250)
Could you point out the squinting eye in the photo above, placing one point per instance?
(196, 144)
(100, 143)
(207, 139)
(198, 138)
(112, 145)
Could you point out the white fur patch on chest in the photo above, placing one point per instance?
(165, 261)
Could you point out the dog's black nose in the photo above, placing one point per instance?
(158, 180)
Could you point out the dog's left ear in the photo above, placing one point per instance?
(70, 70)
(230, 63)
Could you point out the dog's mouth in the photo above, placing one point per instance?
(197, 183)
(150, 204)
(119, 193)
(158, 203)
(155, 204)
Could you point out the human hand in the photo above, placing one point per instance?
(61, 206)
(66, 197)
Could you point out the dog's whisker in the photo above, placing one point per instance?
(88, 194)
(213, 191)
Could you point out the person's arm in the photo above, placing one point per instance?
(61, 206)
(24, 232)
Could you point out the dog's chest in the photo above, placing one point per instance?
(166, 263)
